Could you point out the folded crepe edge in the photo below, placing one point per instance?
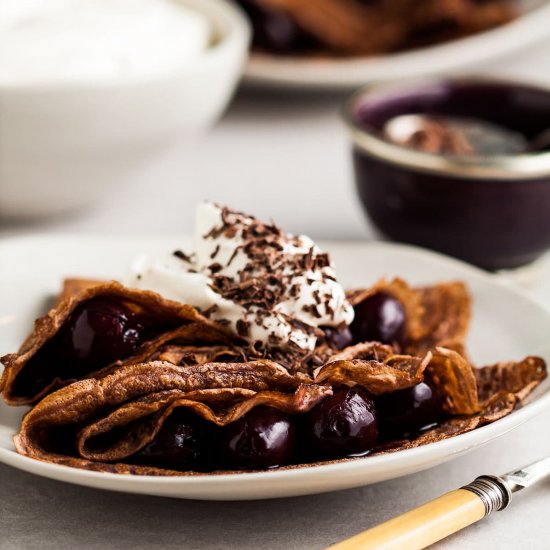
(46, 327)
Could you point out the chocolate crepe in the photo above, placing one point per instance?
(350, 27)
(62, 427)
(34, 370)
(99, 424)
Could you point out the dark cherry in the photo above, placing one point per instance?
(405, 413)
(275, 31)
(263, 438)
(379, 318)
(99, 332)
(338, 337)
(343, 424)
(181, 443)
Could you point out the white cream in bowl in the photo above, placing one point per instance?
(94, 92)
(56, 41)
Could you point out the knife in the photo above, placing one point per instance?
(449, 513)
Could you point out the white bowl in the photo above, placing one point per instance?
(64, 146)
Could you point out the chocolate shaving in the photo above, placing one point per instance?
(243, 328)
(438, 137)
(267, 278)
(215, 253)
(183, 256)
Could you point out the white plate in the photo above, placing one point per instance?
(506, 325)
(303, 72)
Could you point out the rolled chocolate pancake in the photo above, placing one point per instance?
(42, 365)
(351, 27)
(133, 402)
(102, 424)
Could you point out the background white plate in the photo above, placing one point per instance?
(274, 71)
(506, 325)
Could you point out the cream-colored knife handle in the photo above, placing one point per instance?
(434, 520)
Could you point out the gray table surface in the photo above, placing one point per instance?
(266, 149)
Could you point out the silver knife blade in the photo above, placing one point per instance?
(528, 475)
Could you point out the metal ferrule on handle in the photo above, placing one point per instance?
(493, 491)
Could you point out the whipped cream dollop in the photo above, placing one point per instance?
(265, 285)
(52, 41)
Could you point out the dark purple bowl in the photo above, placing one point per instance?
(491, 211)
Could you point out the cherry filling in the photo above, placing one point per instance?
(263, 438)
(97, 333)
(405, 413)
(100, 332)
(276, 32)
(338, 337)
(183, 443)
(379, 318)
(348, 423)
(344, 424)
